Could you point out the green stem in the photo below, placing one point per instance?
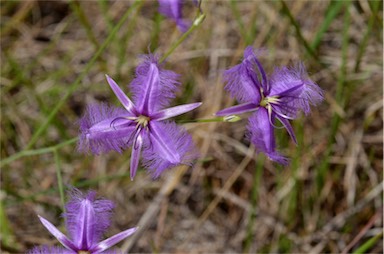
(254, 195)
(59, 178)
(231, 118)
(208, 120)
(196, 23)
(36, 152)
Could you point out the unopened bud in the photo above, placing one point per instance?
(231, 118)
(199, 19)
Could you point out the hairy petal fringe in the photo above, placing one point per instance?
(296, 89)
(49, 250)
(178, 141)
(101, 209)
(240, 85)
(163, 88)
(100, 132)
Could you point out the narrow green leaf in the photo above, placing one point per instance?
(300, 36)
(367, 34)
(333, 10)
(239, 21)
(340, 99)
(254, 198)
(104, 10)
(35, 152)
(59, 178)
(76, 7)
(364, 248)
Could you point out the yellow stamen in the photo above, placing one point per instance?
(264, 102)
(142, 120)
(268, 100)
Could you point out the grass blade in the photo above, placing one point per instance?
(368, 244)
(368, 32)
(300, 36)
(35, 152)
(59, 178)
(75, 5)
(254, 198)
(340, 99)
(333, 10)
(239, 21)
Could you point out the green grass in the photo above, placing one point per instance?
(340, 97)
(367, 245)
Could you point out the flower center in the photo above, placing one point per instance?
(142, 121)
(83, 252)
(266, 101)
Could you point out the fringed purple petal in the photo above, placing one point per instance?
(255, 69)
(242, 82)
(153, 87)
(104, 128)
(85, 223)
(296, 91)
(87, 218)
(108, 243)
(261, 134)
(49, 250)
(67, 243)
(169, 146)
(238, 109)
(163, 144)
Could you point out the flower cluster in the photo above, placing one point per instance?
(143, 123)
(87, 219)
(277, 97)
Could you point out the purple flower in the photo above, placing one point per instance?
(172, 9)
(279, 97)
(141, 124)
(87, 219)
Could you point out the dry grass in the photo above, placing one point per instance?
(329, 199)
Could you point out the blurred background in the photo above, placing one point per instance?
(54, 55)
